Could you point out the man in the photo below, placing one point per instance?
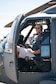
(35, 50)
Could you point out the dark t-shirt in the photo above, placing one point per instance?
(37, 44)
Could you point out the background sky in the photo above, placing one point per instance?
(9, 9)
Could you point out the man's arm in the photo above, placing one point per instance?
(34, 52)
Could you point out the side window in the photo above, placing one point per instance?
(45, 51)
(46, 47)
(45, 44)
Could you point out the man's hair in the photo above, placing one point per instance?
(39, 25)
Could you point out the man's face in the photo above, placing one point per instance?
(38, 29)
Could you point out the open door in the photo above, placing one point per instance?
(9, 56)
(10, 64)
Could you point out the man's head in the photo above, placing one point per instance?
(38, 28)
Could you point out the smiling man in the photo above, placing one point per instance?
(35, 50)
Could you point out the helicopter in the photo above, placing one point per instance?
(21, 70)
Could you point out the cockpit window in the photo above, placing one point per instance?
(26, 30)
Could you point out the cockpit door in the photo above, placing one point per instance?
(10, 64)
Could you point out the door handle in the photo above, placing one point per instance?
(10, 63)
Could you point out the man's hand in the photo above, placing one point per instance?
(30, 50)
